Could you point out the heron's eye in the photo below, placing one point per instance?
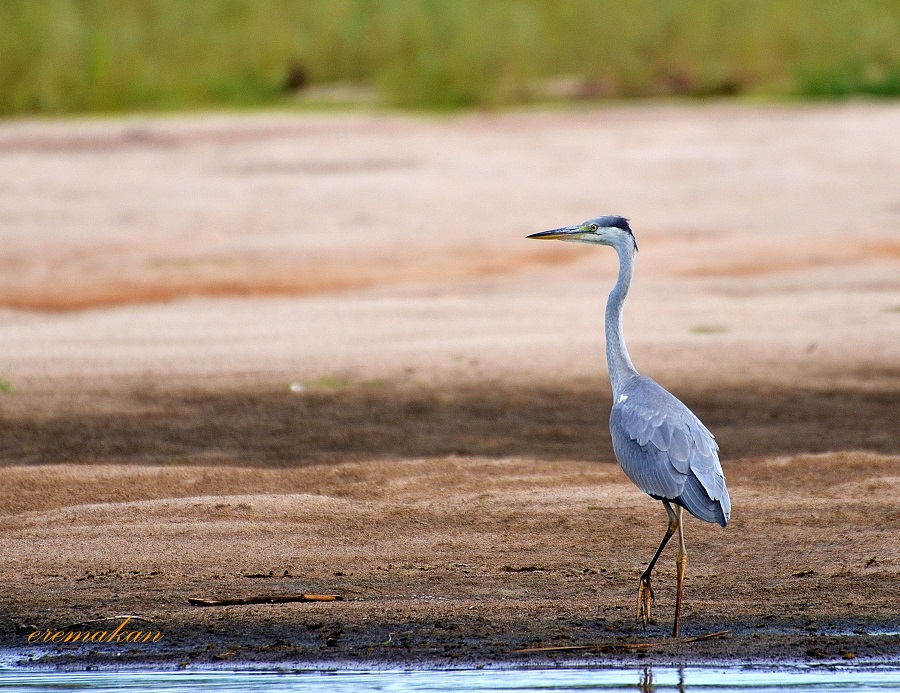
(593, 227)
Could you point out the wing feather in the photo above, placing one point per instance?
(662, 435)
(680, 450)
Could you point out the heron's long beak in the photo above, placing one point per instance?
(567, 233)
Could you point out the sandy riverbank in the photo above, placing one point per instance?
(280, 354)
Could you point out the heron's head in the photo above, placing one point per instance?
(610, 229)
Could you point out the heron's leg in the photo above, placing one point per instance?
(645, 592)
(680, 565)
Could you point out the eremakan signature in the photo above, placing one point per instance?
(119, 635)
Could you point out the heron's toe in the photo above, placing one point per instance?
(645, 601)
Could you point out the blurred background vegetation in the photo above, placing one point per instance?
(71, 56)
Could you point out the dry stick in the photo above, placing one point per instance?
(271, 599)
(626, 646)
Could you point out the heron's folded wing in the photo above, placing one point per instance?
(668, 453)
(654, 454)
(659, 447)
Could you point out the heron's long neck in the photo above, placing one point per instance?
(617, 358)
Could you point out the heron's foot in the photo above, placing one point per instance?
(645, 600)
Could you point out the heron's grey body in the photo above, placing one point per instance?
(666, 451)
(660, 444)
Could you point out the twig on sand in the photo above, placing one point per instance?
(627, 645)
(267, 599)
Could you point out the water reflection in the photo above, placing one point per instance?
(646, 683)
(655, 679)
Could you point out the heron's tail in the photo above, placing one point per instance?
(697, 502)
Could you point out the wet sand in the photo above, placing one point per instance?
(276, 354)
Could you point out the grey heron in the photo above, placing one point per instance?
(659, 443)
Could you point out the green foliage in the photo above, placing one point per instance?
(59, 56)
(849, 81)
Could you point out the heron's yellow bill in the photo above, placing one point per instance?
(564, 233)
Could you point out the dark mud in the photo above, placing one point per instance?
(336, 640)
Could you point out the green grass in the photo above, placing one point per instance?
(71, 56)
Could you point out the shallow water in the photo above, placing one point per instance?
(645, 680)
